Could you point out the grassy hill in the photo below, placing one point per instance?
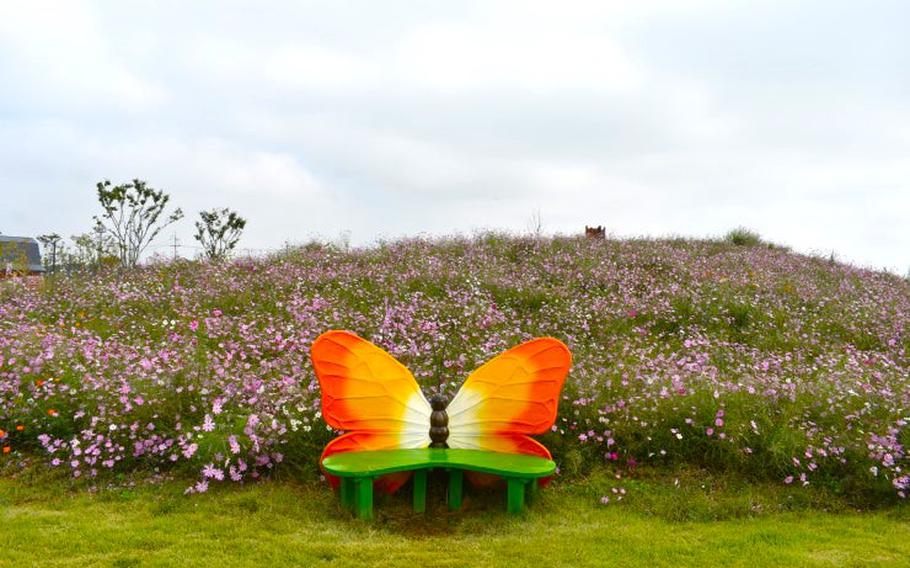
(741, 359)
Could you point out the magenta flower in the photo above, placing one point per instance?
(210, 471)
(190, 450)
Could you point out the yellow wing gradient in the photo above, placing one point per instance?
(369, 394)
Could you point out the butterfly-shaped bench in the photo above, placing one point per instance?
(359, 470)
(393, 431)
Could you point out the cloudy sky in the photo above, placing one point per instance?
(381, 119)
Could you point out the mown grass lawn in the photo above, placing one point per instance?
(281, 523)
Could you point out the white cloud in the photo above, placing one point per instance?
(664, 117)
(55, 54)
(464, 57)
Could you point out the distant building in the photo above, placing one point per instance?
(19, 255)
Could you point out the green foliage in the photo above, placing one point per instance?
(132, 216)
(53, 249)
(96, 250)
(218, 231)
(742, 236)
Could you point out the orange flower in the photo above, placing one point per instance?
(2, 434)
(52, 412)
(6, 449)
(20, 427)
(39, 383)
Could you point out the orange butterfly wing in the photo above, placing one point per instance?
(515, 392)
(368, 393)
(512, 395)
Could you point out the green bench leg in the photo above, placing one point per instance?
(420, 490)
(364, 501)
(515, 497)
(456, 484)
(533, 490)
(347, 492)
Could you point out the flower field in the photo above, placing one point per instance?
(748, 359)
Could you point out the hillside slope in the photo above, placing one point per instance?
(739, 358)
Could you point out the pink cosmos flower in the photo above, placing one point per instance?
(210, 471)
(190, 450)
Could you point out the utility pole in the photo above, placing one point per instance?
(175, 246)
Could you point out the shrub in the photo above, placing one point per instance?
(742, 236)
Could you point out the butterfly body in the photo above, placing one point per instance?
(375, 399)
(439, 422)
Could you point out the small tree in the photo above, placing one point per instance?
(91, 250)
(52, 246)
(132, 217)
(218, 232)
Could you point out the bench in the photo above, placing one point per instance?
(357, 471)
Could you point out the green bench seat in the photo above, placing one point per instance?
(357, 471)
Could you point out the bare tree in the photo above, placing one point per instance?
(535, 224)
(218, 232)
(132, 217)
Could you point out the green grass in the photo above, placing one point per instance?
(701, 521)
